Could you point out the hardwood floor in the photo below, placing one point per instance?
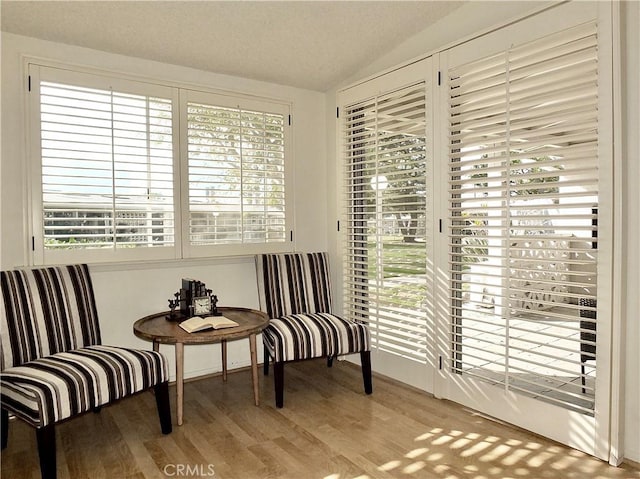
(328, 429)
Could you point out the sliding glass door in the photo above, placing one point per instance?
(528, 207)
(477, 226)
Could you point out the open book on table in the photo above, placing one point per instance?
(199, 323)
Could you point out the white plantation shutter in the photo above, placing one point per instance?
(385, 234)
(107, 174)
(126, 169)
(523, 188)
(236, 160)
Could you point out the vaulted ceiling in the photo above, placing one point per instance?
(306, 44)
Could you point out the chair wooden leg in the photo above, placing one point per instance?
(46, 437)
(5, 427)
(365, 359)
(164, 407)
(278, 379)
(266, 362)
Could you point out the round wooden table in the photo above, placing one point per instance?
(158, 329)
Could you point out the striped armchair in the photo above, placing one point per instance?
(52, 363)
(295, 291)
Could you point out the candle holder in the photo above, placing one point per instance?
(173, 304)
(214, 306)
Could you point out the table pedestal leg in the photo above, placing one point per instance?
(224, 359)
(254, 368)
(179, 381)
(156, 346)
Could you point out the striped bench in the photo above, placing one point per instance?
(295, 291)
(53, 366)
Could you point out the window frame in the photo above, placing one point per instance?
(38, 70)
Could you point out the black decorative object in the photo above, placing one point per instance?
(192, 291)
(173, 304)
(214, 306)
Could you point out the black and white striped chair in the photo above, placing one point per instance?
(53, 365)
(295, 291)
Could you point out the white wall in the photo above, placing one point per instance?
(126, 293)
(475, 18)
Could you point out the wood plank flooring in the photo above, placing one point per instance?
(328, 429)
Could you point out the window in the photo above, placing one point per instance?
(109, 179)
(236, 161)
(106, 168)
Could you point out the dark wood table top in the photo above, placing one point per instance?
(156, 327)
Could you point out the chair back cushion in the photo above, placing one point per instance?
(293, 283)
(45, 311)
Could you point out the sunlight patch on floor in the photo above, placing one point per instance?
(509, 456)
(413, 468)
(389, 466)
(456, 454)
(416, 453)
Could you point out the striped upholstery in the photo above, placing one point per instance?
(318, 335)
(294, 283)
(46, 311)
(295, 291)
(53, 366)
(56, 387)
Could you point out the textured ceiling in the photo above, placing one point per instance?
(313, 45)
